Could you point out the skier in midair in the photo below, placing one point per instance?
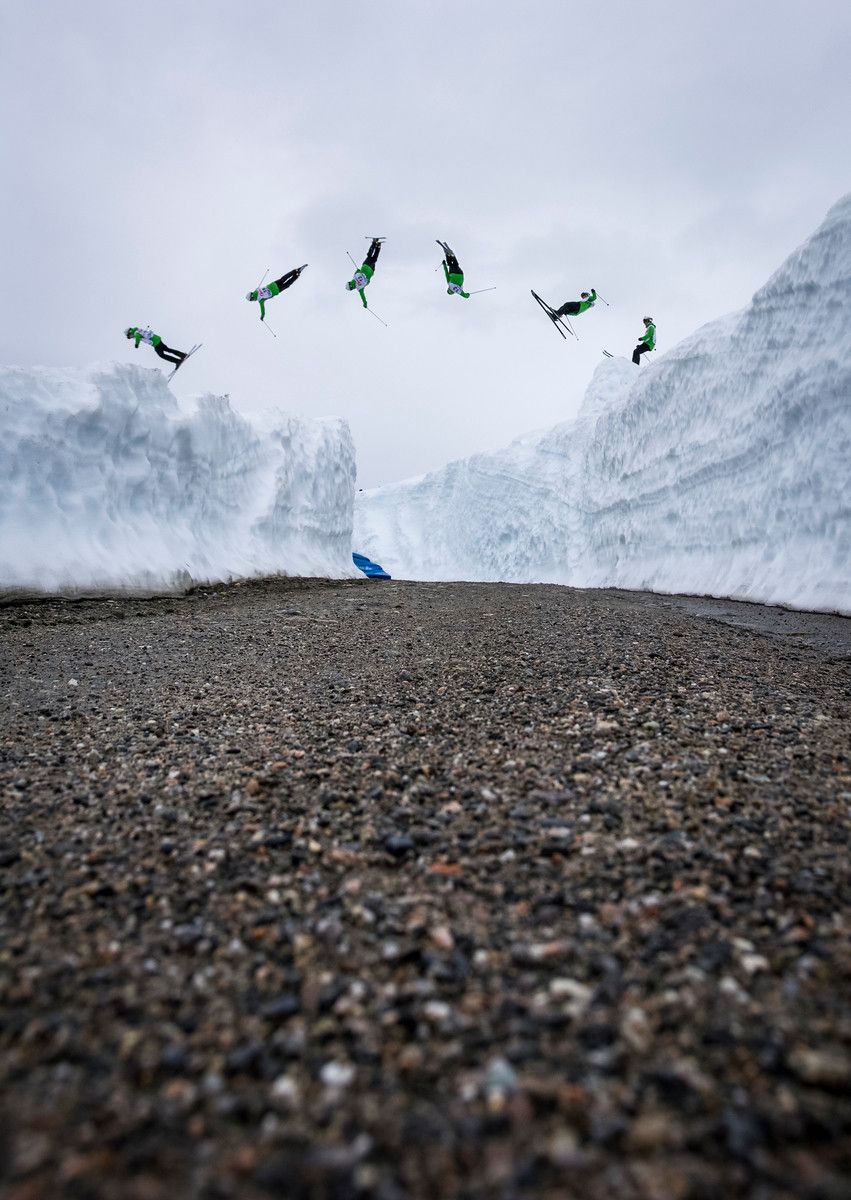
(572, 308)
(153, 339)
(366, 271)
(646, 342)
(274, 289)
(452, 271)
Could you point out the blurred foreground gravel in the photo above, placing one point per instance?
(369, 891)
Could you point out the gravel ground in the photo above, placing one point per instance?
(380, 891)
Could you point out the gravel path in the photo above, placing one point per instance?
(372, 891)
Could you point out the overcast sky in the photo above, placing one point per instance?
(159, 157)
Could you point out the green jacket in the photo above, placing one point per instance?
(143, 335)
(455, 280)
(649, 336)
(263, 294)
(360, 281)
(589, 303)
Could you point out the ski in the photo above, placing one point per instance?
(549, 313)
(183, 360)
(552, 315)
(608, 355)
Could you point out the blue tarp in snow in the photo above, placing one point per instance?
(369, 568)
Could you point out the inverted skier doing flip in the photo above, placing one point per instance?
(274, 289)
(452, 271)
(153, 339)
(572, 308)
(365, 272)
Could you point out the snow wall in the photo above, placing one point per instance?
(109, 484)
(723, 468)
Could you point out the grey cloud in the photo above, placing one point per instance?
(158, 159)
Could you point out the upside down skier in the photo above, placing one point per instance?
(646, 342)
(452, 271)
(138, 334)
(274, 289)
(365, 272)
(572, 308)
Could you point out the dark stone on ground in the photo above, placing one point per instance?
(424, 890)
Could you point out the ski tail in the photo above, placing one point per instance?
(189, 354)
(551, 313)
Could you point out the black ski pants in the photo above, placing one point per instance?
(452, 264)
(289, 278)
(172, 356)
(641, 348)
(569, 309)
(372, 253)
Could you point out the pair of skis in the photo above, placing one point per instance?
(561, 322)
(183, 360)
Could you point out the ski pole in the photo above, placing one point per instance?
(269, 327)
(569, 326)
(374, 314)
(353, 261)
(476, 292)
(260, 284)
(599, 297)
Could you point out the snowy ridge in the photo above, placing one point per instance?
(109, 484)
(722, 468)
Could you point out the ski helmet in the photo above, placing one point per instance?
(584, 295)
(350, 285)
(128, 332)
(647, 320)
(248, 295)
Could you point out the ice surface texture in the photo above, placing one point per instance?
(720, 468)
(108, 483)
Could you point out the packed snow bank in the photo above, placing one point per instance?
(722, 468)
(109, 484)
